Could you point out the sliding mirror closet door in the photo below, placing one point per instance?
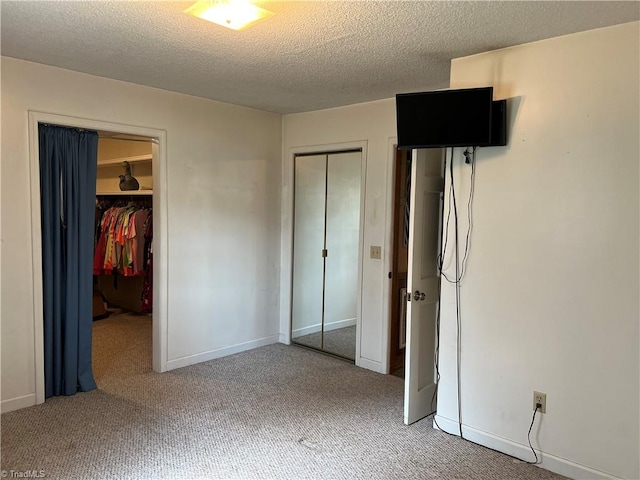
(342, 240)
(326, 251)
(308, 262)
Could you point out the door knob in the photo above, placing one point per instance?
(418, 295)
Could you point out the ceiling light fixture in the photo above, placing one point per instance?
(234, 14)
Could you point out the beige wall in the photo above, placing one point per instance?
(223, 190)
(550, 298)
(109, 148)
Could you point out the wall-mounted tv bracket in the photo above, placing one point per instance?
(467, 155)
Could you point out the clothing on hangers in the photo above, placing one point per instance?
(125, 238)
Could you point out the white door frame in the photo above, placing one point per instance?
(160, 261)
(392, 143)
(286, 247)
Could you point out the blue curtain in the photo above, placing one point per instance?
(68, 163)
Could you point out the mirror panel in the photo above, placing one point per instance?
(342, 240)
(324, 306)
(308, 242)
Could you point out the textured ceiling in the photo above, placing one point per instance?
(310, 55)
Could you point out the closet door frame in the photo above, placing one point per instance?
(286, 259)
(160, 279)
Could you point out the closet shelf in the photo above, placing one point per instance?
(130, 192)
(118, 161)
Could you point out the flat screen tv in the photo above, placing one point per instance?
(446, 118)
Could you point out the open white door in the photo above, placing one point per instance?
(423, 286)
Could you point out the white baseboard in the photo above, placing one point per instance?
(17, 403)
(348, 322)
(550, 462)
(220, 352)
(370, 365)
(301, 332)
(284, 338)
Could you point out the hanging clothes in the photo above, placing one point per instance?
(124, 249)
(125, 238)
(147, 262)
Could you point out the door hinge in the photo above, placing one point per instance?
(324, 253)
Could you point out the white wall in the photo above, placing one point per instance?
(373, 125)
(550, 298)
(223, 171)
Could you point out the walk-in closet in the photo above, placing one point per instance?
(123, 257)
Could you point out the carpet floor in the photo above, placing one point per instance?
(121, 348)
(278, 412)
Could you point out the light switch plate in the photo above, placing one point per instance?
(375, 252)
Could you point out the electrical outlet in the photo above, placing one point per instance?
(375, 252)
(540, 398)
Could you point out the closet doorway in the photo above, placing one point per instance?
(123, 258)
(156, 164)
(326, 251)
